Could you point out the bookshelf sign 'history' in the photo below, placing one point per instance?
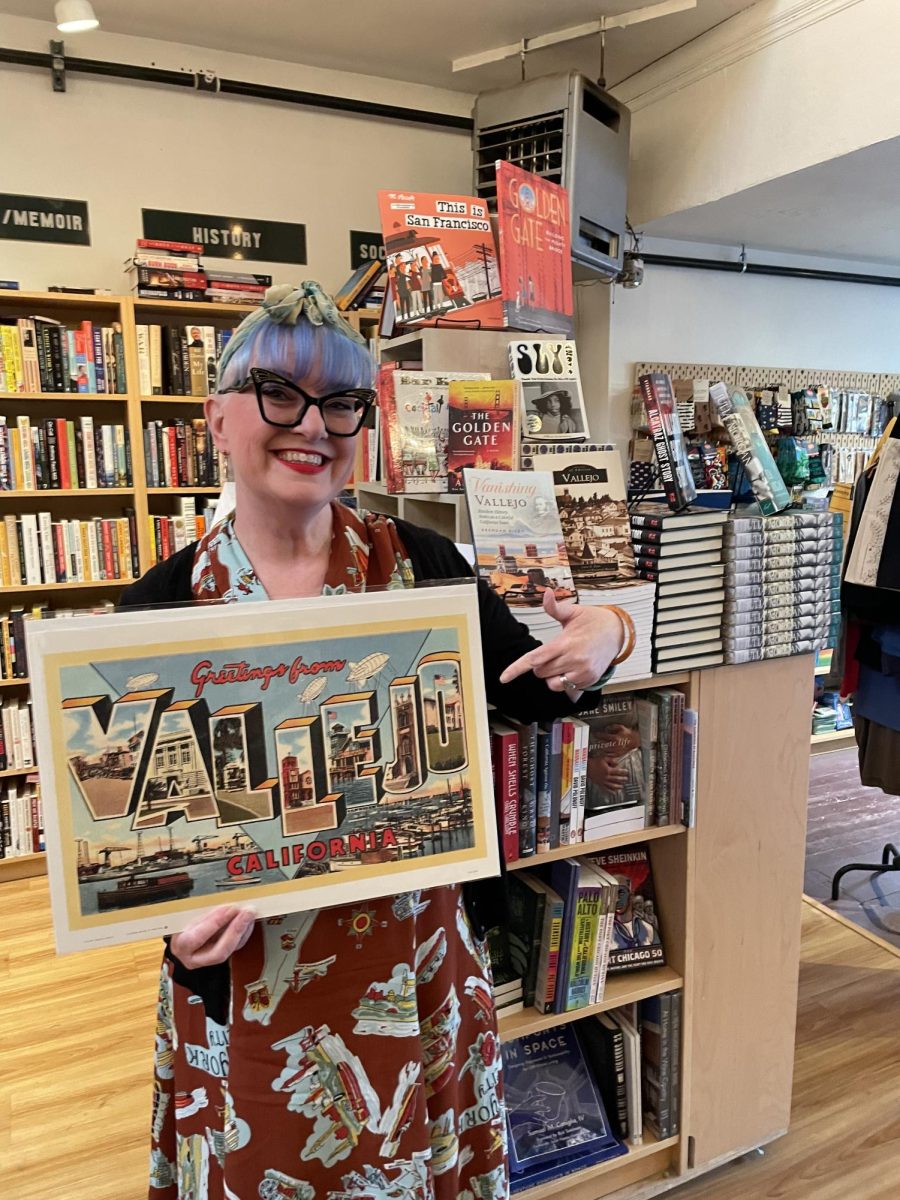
(229, 237)
(292, 755)
(44, 219)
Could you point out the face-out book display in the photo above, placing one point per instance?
(288, 754)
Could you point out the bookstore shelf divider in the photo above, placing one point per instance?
(728, 890)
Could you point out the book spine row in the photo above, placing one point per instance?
(58, 454)
(179, 453)
(170, 534)
(179, 360)
(41, 355)
(21, 818)
(35, 549)
(16, 736)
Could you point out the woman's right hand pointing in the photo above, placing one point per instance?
(214, 937)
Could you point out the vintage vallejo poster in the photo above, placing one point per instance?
(290, 755)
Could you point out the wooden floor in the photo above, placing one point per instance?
(847, 822)
(76, 1035)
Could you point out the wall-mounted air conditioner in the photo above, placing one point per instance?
(571, 132)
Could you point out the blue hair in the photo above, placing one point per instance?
(320, 358)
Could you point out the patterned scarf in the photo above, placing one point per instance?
(366, 552)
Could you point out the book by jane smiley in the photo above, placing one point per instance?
(441, 260)
(751, 448)
(668, 440)
(554, 1111)
(593, 512)
(552, 400)
(535, 251)
(483, 427)
(519, 546)
(636, 940)
(615, 774)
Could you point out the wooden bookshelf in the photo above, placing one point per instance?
(597, 846)
(126, 408)
(835, 739)
(627, 988)
(12, 772)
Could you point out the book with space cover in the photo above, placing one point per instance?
(552, 401)
(535, 252)
(554, 1111)
(519, 546)
(668, 440)
(593, 513)
(751, 448)
(419, 429)
(636, 941)
(441, 260)
(483, 427)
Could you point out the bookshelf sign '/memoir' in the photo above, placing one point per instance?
(44, 219)
(229, 237)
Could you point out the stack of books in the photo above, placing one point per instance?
(160, 270)
(682, 554)
(619, 1072)
(574, 921)
(363, 289)
(627, 763)
(782, 584)
(39, 354)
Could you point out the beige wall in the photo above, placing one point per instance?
(779, 87)
(123, 146)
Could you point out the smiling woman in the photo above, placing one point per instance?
(311, 1006)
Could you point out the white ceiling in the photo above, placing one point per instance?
(413, 40)
(845, 208)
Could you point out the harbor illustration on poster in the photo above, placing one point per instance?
(299, 769)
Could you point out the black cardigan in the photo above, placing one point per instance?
(434, 558)
(503, 640)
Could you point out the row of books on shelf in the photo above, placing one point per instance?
(171, 534)
(580, 1094)
(627, 763)
(21, 817)
(13, 648)
(57, 453)
(179, 360)
(569, 924)
(163, 270)
(16, 735)
(180, 453)
(41, 354)
(35, 549)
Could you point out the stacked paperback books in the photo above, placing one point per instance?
(63, 454)
(573, 922)
(627, 763)
(170, 534)
(578, 1095)
(39, 354)
(782, 584)
(682, 554)
(21, 817)
(160, 270)
(179, 360)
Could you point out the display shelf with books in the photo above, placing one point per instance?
(596, 845)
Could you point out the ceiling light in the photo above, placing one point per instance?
(75, 16)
